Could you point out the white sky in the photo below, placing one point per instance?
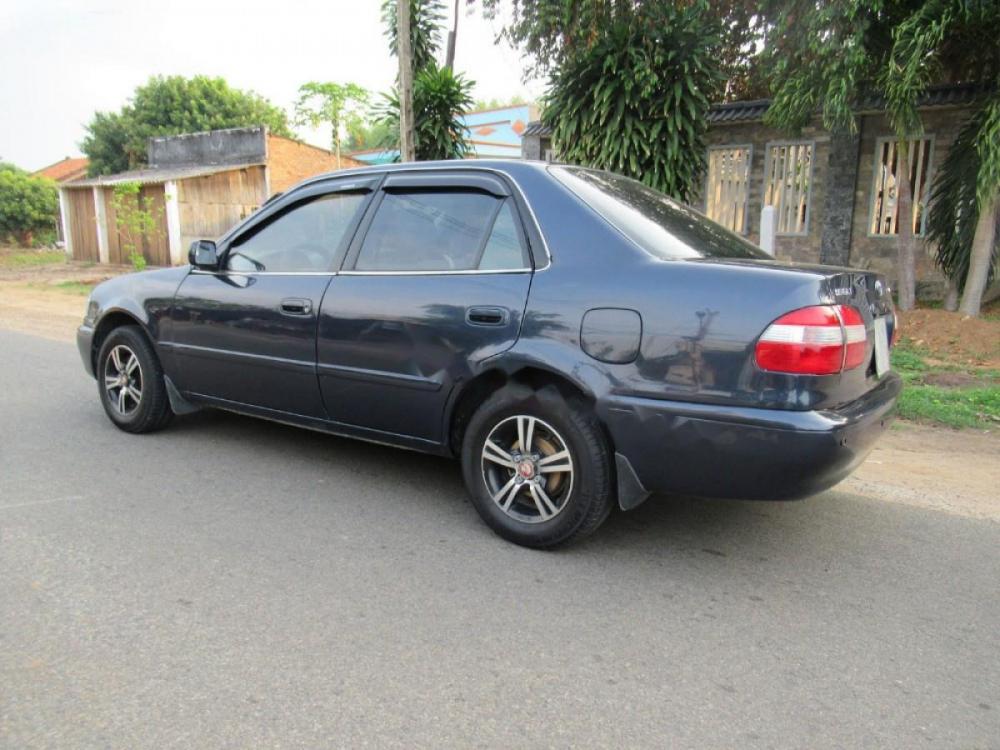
(60, 60)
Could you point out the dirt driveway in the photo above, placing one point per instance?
(935, 468)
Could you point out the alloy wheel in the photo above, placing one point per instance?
(123, 380)
(528, 469)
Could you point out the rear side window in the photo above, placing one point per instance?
(442, 231)
(658, 224)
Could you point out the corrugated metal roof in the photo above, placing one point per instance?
(948, 95)
(154, 176)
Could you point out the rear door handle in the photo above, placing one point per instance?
(296, 306)
(486, 316)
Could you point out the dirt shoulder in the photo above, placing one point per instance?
(955, 471)
(935, 468)
(46, 298)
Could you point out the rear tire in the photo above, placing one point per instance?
(130, 382)
(545, 477)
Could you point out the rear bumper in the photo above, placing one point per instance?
(734, 452)
(85, 343)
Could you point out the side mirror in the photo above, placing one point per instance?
(203, 254)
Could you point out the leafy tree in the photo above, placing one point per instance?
(375, 134)
(426, 17)
(956, 39)
(28, 205)
(170, 106)
(339, 104)
(439, 97)
(496, 103)
(548, 31)
(823, 57)
(633, 98)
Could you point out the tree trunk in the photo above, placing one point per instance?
(981, 258)
(336, 145)
(951, 296)
(407, 151)
(906, 285)
(449, 60)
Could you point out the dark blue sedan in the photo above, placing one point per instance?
(577, 339)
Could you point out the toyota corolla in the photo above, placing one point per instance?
(577, 340)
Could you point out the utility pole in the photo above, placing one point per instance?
(404, 44)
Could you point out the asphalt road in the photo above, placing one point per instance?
(232, 583)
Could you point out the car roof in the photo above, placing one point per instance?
(509, 167)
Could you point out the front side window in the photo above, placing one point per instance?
(425, 230)
(727, 186)
(884, 209)
(304, 238)
(787, 185)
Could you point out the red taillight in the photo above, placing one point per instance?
(819, 340)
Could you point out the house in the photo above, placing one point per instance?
(834, 195)
(196, 185)
(492, 133)
(64, 170)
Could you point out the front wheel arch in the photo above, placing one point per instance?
(108, 323)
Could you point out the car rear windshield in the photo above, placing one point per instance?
(660, 225)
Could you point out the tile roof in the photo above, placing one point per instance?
(948, 95)
(65, 169)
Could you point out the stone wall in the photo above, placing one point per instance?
(840, 203)
(879, 252)
(754, 134)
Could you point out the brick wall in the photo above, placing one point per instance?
(290, 162)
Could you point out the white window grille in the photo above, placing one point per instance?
(788, 185)
(727, 186)
(884, 208)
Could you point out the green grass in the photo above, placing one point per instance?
(31, 259)
(974, 405)
(83, 288)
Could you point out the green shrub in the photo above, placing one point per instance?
(28, 207)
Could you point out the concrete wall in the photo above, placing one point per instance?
(233, 146)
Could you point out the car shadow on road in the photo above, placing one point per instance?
(833, 523)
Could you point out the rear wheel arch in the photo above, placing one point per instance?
(484, 385)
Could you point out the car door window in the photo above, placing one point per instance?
(303, 238)
(504, 249)
(437, 231)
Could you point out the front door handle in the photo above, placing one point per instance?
(296, 306)
(486, 316)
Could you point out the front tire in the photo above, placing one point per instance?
(130, 382)
(537, 467)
